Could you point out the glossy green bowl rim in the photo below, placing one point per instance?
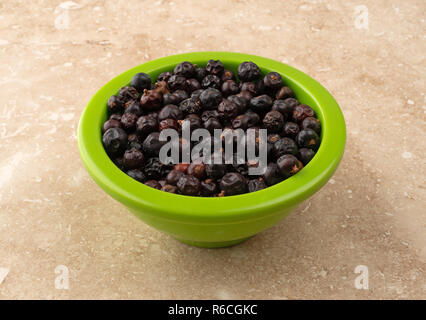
(198, 209)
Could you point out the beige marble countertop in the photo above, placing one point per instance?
(55, 55)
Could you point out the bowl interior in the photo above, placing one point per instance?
(171, 206)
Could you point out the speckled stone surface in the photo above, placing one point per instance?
(55, 55)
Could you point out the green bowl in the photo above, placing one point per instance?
(222, 221)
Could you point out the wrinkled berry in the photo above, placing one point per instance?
(240, 102)
(141, 81)
(181, 94)
(155, 169)
(185, 69)
(115, 105)
(215, 67)
(128, 121)
(189, 185)
(168, 124)
(137, 175)
(153, 184)
(194, 121)
(151, 100)
(210, 98)
(229, 87)
(145, 125)
(192, 85)
(227, 75)
(212, 123)
(273, 121)
(200, 73)
(288, 165)
(305, 155)
(128, 93)
(152, 144)
(211, 81)
(301, 112)
(161, 87)
(174, 176)
(227, 109)
(164, 76)
(261, 104)
(111, 123)
(284, 93)
(256, 185)
(133, 159)
(233, 183)
(170, 111)
(312, 123)
(290, 130)
(181, 167)
(169, 188)
(284, 146)
(272, 81)
(177, 82)
(170, 98)
(190, 105)
(208, 188)
(134, 107)
(248, 71)
(197, 169)
(196, 94)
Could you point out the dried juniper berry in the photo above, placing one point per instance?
(197, 169)
(302, 111)
(190, 105)
(196, 93)
(208, 188)
(185, 69)
(240, 102)
(176, 82)
(141, 81)
(134, 107)
(164, 76)
(273, 137)
(114, 141)
(248, 71)
(155, 169)
(115, 116)
(215, 67)
(145, 125)
(192, 85)
(212, 123)
(290, 130)
(233, 183)
(272, 81)
(133, 159)
(168, 124)
(181, 167)
(246, 95)
(136, 174)
(273, 121)
(261, 104)
(211, 81)
(254, 118)
(283, 107)
(152, 144)
(128, 121)
(241, 122)
(153, 184)
(119, 163)
(170, 98)
(284, 146)
(284, 93)
(188, 185)
(200, 73)
(169, 188)
(227, 109)
(312, 123)
(194, 121)
(111, 123)
(161, 87)
(174, 176)
(181, 94)
(227, 75)
(256, 185)
(151, 100)
(215, 170)
(308, 138)
(128, 93)
(209, 114)
(170, 111)
(250, 87)
(210, 98)
(229, 87)
(305, 155)
(115, 105)
(288, 165)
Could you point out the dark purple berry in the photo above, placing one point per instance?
(170, 111)
(128, 93)
(153, 184)
(256, 185)
(241, 122)
(254, 118)
(301, 112)
(185, 69)
(115, 116)
(170, 98)
(134, 107)
(181, 94)
(183, 167)
(196, 94)
(133, 159)
(215, 67)
(248, 71)
(227, 75)
(177, 82)
(250, 87)
(161, 87)
(194, 121)
(189, 185)
(284, 93)
(285, 146)
(164, 76)
(211, 81)
(168, 124)
(312, 123)
(141, 81)
(261, 104)
(151, 100)
(229, 87)
(200, 73)
(128, 121)
(227, 109)
(174, 176)
(305, 155)
(192, 85)
(152, 144)
(288, 165)
(190, 105)
(197, 169)
(308, 138)
(208, 188)
(169, 188)
(233, 183)
(240, 102)
(210, 98)
(111, 123)
(273, 121)
(212, 123)
(115, 105)
(137, 175)
(272, 81)
(290, 130)
(114, 141)
(145, 125)
(246, 95)
(209, 114)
